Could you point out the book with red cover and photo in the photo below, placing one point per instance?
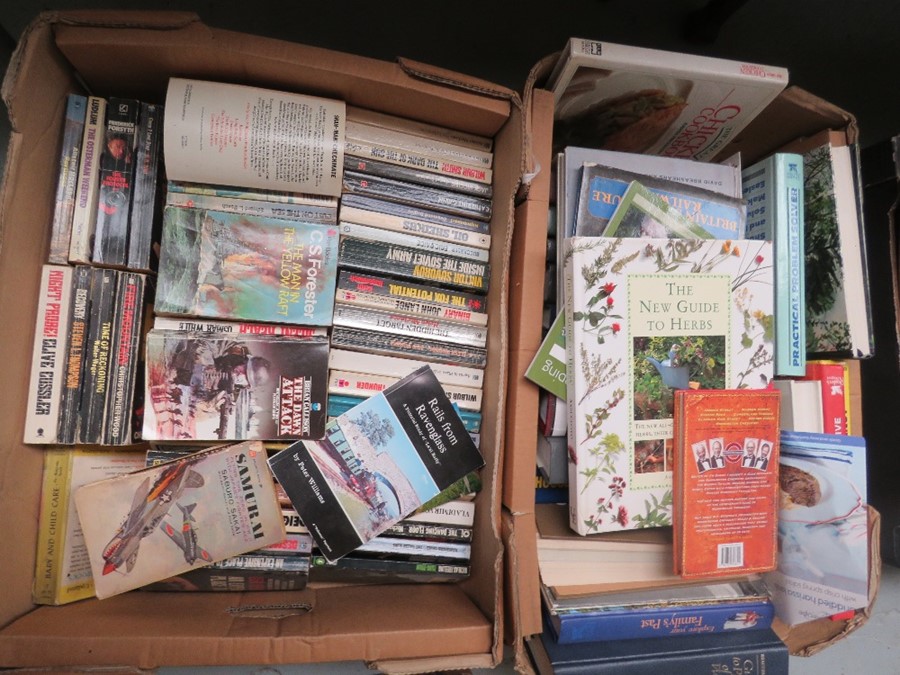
(725, 483)
(833, 376)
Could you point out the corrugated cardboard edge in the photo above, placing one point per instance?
(536, 76)
(812, 637)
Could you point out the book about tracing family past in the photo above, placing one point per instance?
(656, 102)
(237, 135)
(376, 463)
(725, 482)
(646, 317)
(222, 265)
(210, 386)
(161, 521)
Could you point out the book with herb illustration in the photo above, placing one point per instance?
(644, 318)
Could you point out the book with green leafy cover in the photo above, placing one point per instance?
(640, 213)
(645, 317)
(548, 367)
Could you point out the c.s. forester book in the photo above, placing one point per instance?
(376, 463)
(646, 317)
(162, 521)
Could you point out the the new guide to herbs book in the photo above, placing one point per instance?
(647, 317)
(162, 521)
(377, 463)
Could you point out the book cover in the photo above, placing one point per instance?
(656, 102)
(98, 352)
(725, 484)
(143, 217)
(222, 265)
(79, 320)
(645, 317)
(62, 568)
(48, 355)
(376, 463)
(231, 134)
(87, 192)
(548, 367)
(603, 188)
(165, 520)
(639, 213)
(823, 548)
(773, 189)
(69, 160)
(754, 651)
(110, 246)
(833, 380)
(410, 325)
(208, 386)
(373, 167)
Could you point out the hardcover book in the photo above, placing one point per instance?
(376, 463)
(230, 134)
(69, 161)
(725, 482)
(225, 266)
(773, 189)
(801, 405)
(207, 386)
(633, 99)
(833, 379)
(644, 318)
(162, 521)
(62, 568)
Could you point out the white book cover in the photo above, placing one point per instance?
(656, 102)
(645, 317)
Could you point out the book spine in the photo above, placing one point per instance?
(572, 627)
(370, 256)
(359, 569)
(419, 228)
(258, 195)
(410, 174)
(87, 192)
(429, 531)
(419, 196)
(413, 213)
(97, 355)
(232, 580)
(286, 563)
(323, 215)
(455, 512)
(409, 126)
(124, 358)
(292, 523)
(410, 325)
(832, 379)
(197, 325)
(295, 543)
(414, 241)
(116, 182)
(348, 383)
(394, 345)
(69, 157)
(79, 320)
(48, 355)
(368, 133)
(376, 364)
(416, 548)
(51, 526)
(143, 215)
(423, 161)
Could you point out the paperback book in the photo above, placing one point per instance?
(389, 344)
(69, 161)
(79, 320)
(222, 265)
(410, 325)
(143, 218)
(135, 535)
(644, 318)
(87, 192)
(207, 386)
(376, 463)
(373, 167)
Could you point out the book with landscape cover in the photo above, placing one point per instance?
(644, 318)
(376, 463)
(725, 482)
(217, 503)
(69, 161)
(634, 99)
(62, 568)
(222, 265)
(209, 386)
(773, 189)
(237, 135)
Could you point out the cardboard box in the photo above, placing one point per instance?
(795, 113)
(396, 629)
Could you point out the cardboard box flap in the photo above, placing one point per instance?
(118, 19)
(451, 78)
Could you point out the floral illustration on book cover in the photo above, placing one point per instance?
(647, 317)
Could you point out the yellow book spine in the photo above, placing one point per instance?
(52, 526)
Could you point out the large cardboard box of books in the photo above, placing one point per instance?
(793, 114)
(410, 628)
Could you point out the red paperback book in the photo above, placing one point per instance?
(833, 377)
(725, 480)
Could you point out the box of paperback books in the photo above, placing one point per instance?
(792, 114)
(135, 55)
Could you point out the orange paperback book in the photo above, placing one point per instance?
(725, 497)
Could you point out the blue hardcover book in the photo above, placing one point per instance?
(757, 651)
(773, 189)
(627, 623)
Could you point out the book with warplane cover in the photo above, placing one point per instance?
(162, 521)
